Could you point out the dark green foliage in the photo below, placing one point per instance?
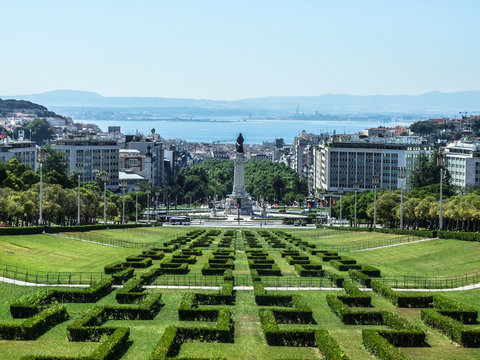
(455, 330)
(458, 311)
(350, 317)
(111, 348)
(328, 346)
(309, 270)
(41, 131)
(335, 278)
(32, 327)
(59, 229)
(466, 236)
(121, 276)
(262, 178)
(31, 304)
(402, 300)
(380, 346)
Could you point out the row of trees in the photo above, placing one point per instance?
(272, 181)
(460, 212)
(22, 208)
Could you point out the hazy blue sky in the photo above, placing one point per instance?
(236, 49)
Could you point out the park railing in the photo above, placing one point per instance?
(114, 242)
(49, 277)
(370, 244)
(421, 282)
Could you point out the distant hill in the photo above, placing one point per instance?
(432, 102)
(9, 106)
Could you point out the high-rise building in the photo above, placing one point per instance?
(91, 154)
(346, 161)
(463, 163)
(149, 159)
(22, 149)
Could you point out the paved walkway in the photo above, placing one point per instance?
(392, 245)
(248, 288)
(25, 283)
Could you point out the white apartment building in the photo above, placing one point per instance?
(144, 156)
(350, 160)
(24, 150)
(463, 163)
(90, 154)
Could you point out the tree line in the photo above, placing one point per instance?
(263, 179)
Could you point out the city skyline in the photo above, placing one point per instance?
(216, 50)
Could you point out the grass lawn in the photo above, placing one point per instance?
(346, 241)
(45, 252)
(52, 253)
(137, 235)
(431, 258)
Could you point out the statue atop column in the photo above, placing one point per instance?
(239, 200)
(239, 145)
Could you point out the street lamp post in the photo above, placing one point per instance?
(78, 201)
(401, 176)
(340, 193)
(41, 156)
(157, 194)
(123, 186)
(441, 163)
(375, 182)
(104, 178)
(137, 189)
(148, 191)
(356, 186)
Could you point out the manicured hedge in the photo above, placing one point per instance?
(57, 229)
(309, 270)
(35, 326)
(344, 266)
(380, 346)
(276, 337)
(465, 236)
(111, 348)
(402, 300)
(355, 297)
(335, 278)
(360, 277)
(31, 304)
(350, 317)
(328, 346)
(458, 332)
(122, 276)
(458, 311)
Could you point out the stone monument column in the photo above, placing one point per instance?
(239, 174)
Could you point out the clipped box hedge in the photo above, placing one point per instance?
(402, 300)
(455, 330)
(35, 326)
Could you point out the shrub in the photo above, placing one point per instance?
(402, 300)
(32, 327)
(380, 346)
(452, 328)
(328, 346)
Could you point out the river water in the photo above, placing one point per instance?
(255, 131)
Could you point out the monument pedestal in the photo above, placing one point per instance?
(239, 200)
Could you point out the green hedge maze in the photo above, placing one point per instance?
(236, 294)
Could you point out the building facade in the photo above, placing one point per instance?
(24, 150)
(463, 163)
(149, 158)
(90, 154)
(344, 162)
